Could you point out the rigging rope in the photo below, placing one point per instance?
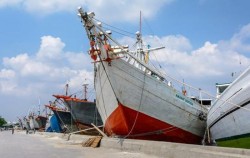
(114, 27)
(165, 130)
(101, 88)
(71, 117)
(138, 110)
(118, 32)
(197, 89)
(201, 91)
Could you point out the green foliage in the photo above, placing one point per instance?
(2, 121)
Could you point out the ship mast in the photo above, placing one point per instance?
(140, 54)
(85, 91)
(139, 37)
(66, 89)
(94, 33)
(39, 106)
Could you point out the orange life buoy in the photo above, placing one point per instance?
(184, 92)
(92, 54)
(92, 50)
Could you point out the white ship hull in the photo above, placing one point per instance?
(127, 87)
(229, 122)
(33, 123)
(131, 96)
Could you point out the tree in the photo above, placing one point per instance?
(2, 121)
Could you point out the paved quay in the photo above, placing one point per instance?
(20, 145)
(55, 145)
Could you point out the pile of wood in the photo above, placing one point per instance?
(92, 142)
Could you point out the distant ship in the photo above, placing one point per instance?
(53, 124)
(64, 118)
(83, 111)
(41, 120)
(229, 117)
(33, 123)
(26, 124)
(134, 99)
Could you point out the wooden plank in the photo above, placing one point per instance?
(96, 142)
(88, 142)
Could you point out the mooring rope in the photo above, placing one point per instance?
(138, 110)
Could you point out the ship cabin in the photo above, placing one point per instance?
(220, 88)
(205, 102)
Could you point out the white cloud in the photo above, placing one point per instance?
(17, 62)
(6, 74)
(240, 41)
(111, 10)
(50, 48)
(201, 67)
(51, 6)
(212, 60)
(207, 61)
(4, 3)
(128, 10)
(46, 71)
(7, 80)
(6, 87)
(79, 60)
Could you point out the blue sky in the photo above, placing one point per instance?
(43, 44)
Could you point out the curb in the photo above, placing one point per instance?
(157, 148)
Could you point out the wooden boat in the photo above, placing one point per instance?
(83, 111)
(33, 123)
(64, 118)
(53, 125)
(229, 117)
(133, 99)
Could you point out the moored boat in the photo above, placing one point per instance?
(229, 117)
(83, 111)
(26, 123)
(21, 124)
(41, 120)
(64, 118)
(53, 125)
(133, 99)
(33, 123)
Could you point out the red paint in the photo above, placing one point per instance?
(68, 98)
(120, 123)
(55, 108)
(61, 96)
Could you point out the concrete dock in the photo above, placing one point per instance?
(53, 145)
(20, 145)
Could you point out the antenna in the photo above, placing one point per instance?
(140, 22)
(140, 33)
(85, 91)
(39, 105)
(67, 88)
(184, 91)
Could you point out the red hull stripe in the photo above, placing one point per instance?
(121, 121)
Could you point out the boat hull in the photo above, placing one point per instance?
(33, 123)
(240, 141)
(26, 124)
(54, 125)
(233, 129)
(65, 120)
(84, 112)
(146, 127)
(229, 124)
(41, 120)
(127, 93)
